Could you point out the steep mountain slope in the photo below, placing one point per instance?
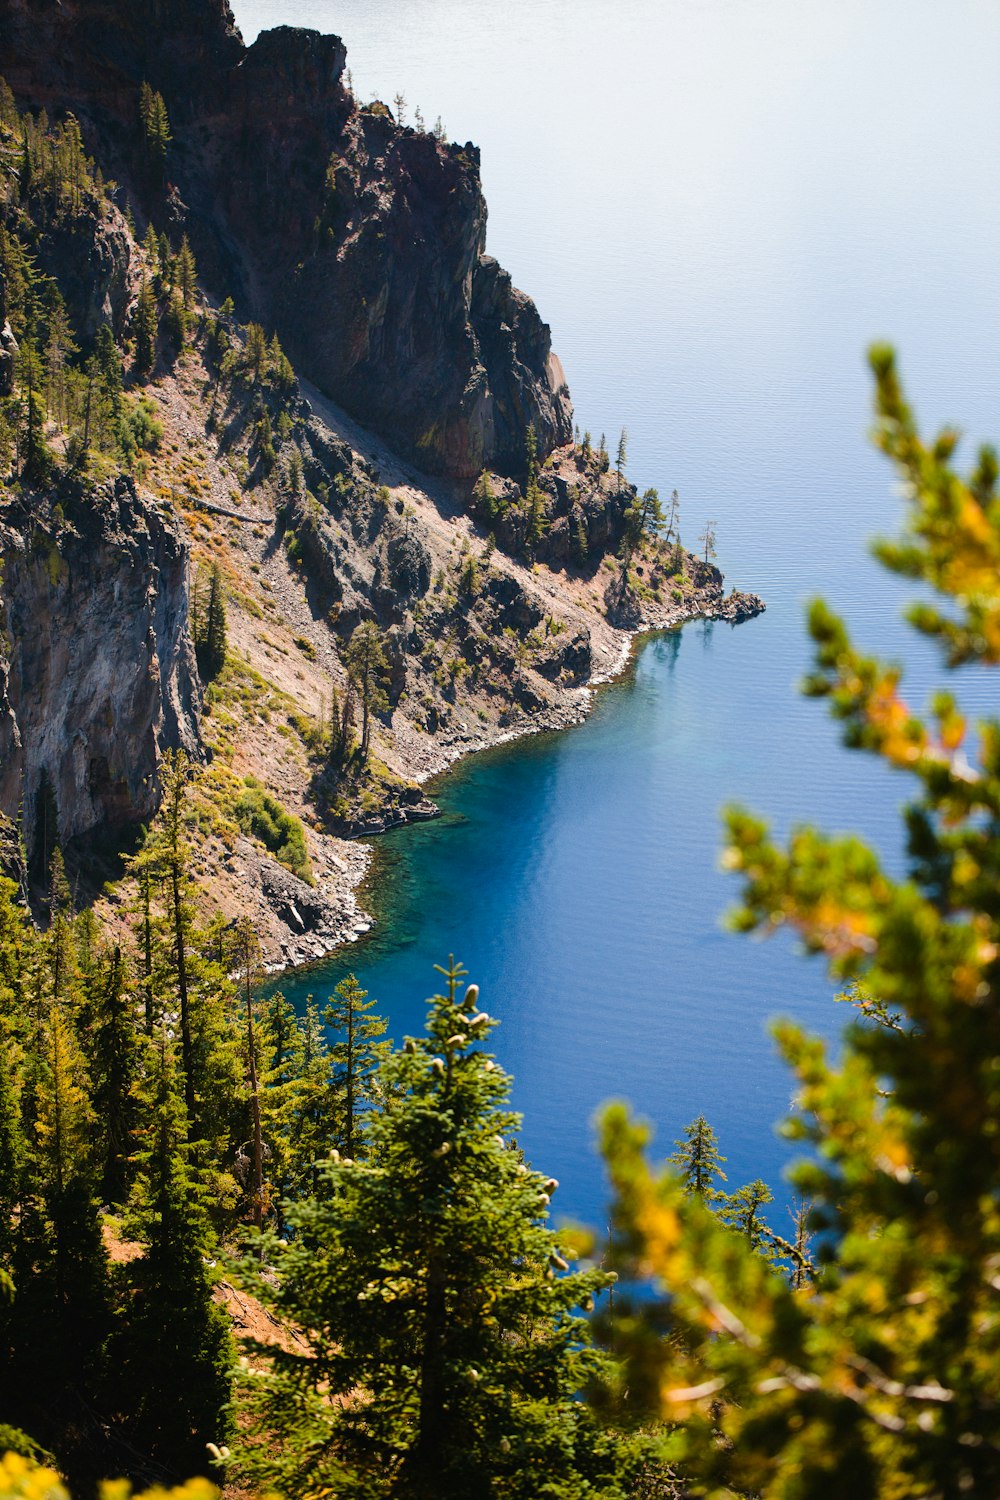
(361, 242)
(158, 454)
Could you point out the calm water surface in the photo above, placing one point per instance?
(717, 204)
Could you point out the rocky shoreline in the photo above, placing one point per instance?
(343, 922)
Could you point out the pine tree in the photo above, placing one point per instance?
(248, 958)
(313, 1112)
(53, 1337)
(13, 1156)
(172, 851)
(156, 132)
(116, 1058)
(671, 532)
(742, 1211)
(151, 246)
(354, 1059)
(486, 500)
(621, 457)
(187, 272)
(209, 628)
(175, 1353)
(368, 669)
(146, 328)
(534, 495)
(445, 1356)
(282, 1066)
(699, 1160)
(36, 458)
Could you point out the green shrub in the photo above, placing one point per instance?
(262, 816)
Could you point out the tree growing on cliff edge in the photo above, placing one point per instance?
(445, 1356)
(156, 136)
(621, 457)
(707, 540)
(368, 670)
(146, 326)
(884, 1378)
(672, 529)
(209, 625)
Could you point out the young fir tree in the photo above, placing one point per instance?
(13, 1156)
(534, 495)
(312, 1110)
(742, 1211)
(699, 1160)
(247, 957)
(282, 1064)
(155, 133)
(53, 1336)
(116, 1059)
(145, 326)
(883, 1379)
(187, 272)
(445, 1356)
(36, 457)
(174, 1354)
(485, 498)
(171, 849)
(354, 1059)
(209, 627)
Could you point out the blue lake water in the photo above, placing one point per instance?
(717, 204)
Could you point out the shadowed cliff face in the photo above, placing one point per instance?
(97, 675)
(363, 244)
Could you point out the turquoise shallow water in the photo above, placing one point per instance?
(717, 204)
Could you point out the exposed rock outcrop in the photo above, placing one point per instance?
(97, 674)
(362, 242)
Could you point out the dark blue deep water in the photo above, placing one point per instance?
(717, 205)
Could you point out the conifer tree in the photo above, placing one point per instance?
(13, 1155)
(742, 1211)
(174, 1354)
(485, 497)
(445, 1355)
(621, 457)
(209, 627)
(187, 272)
(354, 1059)
(282, 1064)
(314, 1112)
(368, 669)
(151, 246)
(533, 494)
(36, 457)
(248, 958)
(116, 1059)
(53, 1336)
(146, 325)
(156, 132)
(699, 1160)
(671, 533)
(172, 851)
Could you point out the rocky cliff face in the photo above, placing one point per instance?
(363, 243)
(97, 675)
